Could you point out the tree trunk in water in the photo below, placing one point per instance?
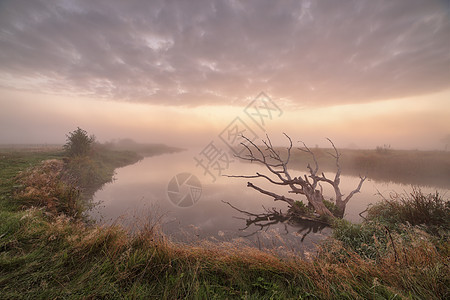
(316, 200)
(340, 208)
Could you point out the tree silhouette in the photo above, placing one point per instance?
(79, 143)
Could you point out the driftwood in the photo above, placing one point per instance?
(308, 185)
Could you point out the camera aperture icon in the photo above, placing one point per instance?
(184, 189)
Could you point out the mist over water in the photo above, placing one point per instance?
(166, 94)
(139, 195)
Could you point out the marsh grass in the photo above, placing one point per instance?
(429, 211)
(61, 257)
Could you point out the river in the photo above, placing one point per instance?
(143, 193)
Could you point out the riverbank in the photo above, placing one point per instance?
(48, 255)
(412, 167)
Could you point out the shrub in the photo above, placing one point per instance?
(331, 207)
(383, 150)
(301, 208)
(78, 142)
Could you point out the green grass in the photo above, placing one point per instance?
(60, 257)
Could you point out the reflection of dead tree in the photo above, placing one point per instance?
(307, 185)
(271, 217)
(263, 220)
(308, 226)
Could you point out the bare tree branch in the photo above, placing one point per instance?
(289, 148)
(275, 196)
(337, 155)
(316, 165)
(239, 210)
(307, 185)
(258, 175)
(357, 190)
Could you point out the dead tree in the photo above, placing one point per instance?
(308, 185)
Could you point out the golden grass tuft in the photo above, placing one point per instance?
(42, 186)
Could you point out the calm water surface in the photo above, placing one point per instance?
(139, 195)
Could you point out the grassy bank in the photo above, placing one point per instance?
(59, 183)
(141, 148)
(12, 161)
(47, 256)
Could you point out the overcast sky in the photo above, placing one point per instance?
(164, 70)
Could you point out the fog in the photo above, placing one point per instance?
(399, 123)
(363, 73)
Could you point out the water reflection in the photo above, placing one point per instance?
(139, 195)
(263, 221)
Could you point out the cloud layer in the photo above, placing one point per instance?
(219, 52)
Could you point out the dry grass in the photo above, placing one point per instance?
(416, 208)
(60, 257)
(42, 186)
(69, 258)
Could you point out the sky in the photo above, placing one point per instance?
(364, 73)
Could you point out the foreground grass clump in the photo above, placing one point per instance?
(410, 232)
(67, 259)
(431, 211)
(44, 256)
(403, 216)
(11, 163)
(43, 186)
